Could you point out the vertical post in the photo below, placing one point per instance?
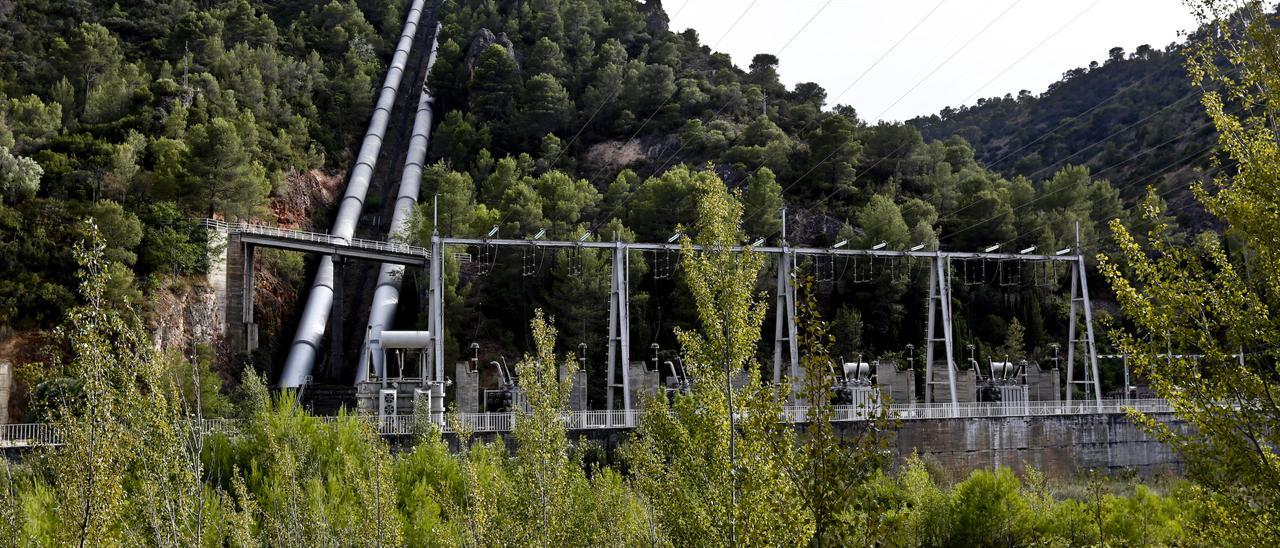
(785, 320)
(792, 336)
(944, 298)
(336, 344)
(1090, 349)
(435, 320)
(622, 268)
(619, 331)
(780, 305)
(250, 328)
(928, 335)
(611, 367)
(1071, 331)
(779, 313)
(1124, 360)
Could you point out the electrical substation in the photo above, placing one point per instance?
(409, 366)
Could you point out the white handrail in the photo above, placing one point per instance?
(316, 237)
(43, 434)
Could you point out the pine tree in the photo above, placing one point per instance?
(494, 85)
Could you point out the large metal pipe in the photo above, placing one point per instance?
(315, 316)
(386, 296)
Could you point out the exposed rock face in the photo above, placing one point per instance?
(485, 38)
(184, 315)
(305, 193)
(604, 160)
(615, 155)
(656, 19)
(19, 348)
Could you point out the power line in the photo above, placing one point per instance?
(909, 92)
(1063, 124)
(891, 49)
(1113, 134)
(949, 58)
(1068, 120)
(1188, 202)
(1181, 162)
(868, 70)
(1063, 189)
(1059, 163)
(1121, 187)
(1032, 50)
(722, 37)
(882, 56)
(600, 220)
(618, 90)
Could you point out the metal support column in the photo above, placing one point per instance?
(336, 343)
(1090, 348)
(619, 329)
(435, 318)
(1124, 360)
(940, 303)
(785, 320)
(1080, 302)
(250, 328)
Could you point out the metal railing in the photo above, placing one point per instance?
(28, 435)
(315, 237)
(325, 239)
(39, 434)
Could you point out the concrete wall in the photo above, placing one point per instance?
(6, 387)
(898, 384)
(466, 386)
(241, 331)
(217, 275)
(578, 393)
(644, 384)
(1043, 384)
(966, 385)
(1059, 446)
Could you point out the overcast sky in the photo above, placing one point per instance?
(1019, 44)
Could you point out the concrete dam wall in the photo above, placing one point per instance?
(1062, 447)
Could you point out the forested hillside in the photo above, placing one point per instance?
(572, 116)
(1134, 118)
(147, 116)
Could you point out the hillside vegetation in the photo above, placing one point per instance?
(572, 116)
(1134, 117)
(148, 116)
(579, 116)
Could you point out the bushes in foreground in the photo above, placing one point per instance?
(293, 479)
(708, 470)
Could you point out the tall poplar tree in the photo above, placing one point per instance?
(1213, 300)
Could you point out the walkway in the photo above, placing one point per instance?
(37, 435)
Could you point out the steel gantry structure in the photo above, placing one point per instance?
(785, 350)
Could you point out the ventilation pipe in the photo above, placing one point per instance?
(386, 296)
(315, 316)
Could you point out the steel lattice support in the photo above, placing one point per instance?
(336, 343)
(250, 328)
(940, 303)
(1080, 303)
(435, 315)
(784, 332)
(619, 328)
